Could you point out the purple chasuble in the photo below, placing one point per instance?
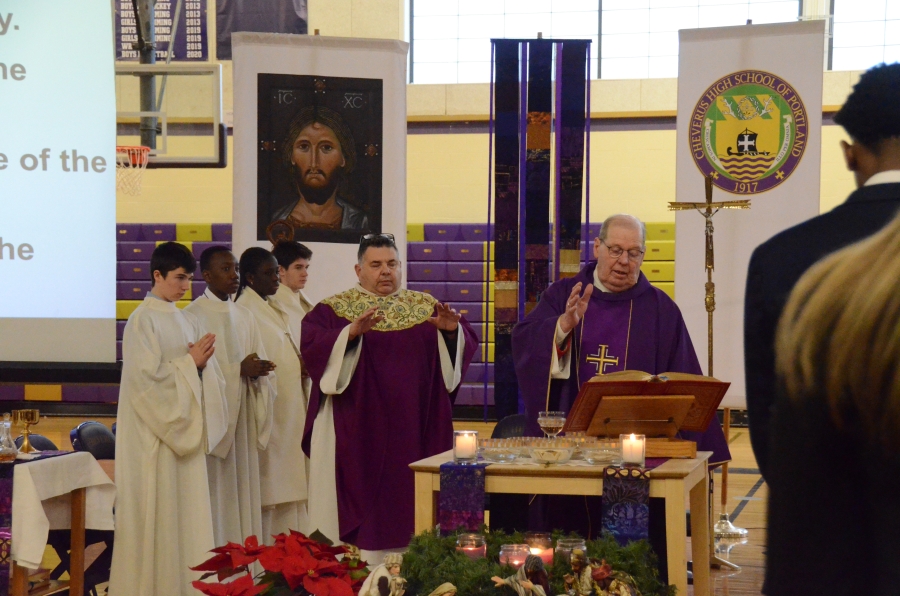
(638, 329)
(396, 410)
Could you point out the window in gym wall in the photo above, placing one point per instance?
(866, 33)
(639, 38)
(451, 39)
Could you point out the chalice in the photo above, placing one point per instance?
(27, 418)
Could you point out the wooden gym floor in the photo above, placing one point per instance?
(747, 495)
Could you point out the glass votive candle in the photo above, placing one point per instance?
(471, 545)
(514, 555)
(633, 449)
(565, 546)
(465, 446)
(541, 545)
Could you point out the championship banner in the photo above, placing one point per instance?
(750, 114)
(187, 28)
(330, 106)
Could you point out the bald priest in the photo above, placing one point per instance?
(385, 364)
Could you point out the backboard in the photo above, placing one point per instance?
(187, 106)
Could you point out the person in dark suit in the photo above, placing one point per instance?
(834, 473)
(872, 119)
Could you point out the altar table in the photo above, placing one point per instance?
(674, 481)
(71, 490)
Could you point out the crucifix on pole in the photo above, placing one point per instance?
(723, 528)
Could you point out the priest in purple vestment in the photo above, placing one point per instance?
(618, 322)
(385, 364)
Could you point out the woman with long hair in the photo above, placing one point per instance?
(834, 491)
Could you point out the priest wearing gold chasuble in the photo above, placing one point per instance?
(385, 364)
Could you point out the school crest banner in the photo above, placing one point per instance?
(750, 114)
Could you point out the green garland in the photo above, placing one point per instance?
(432, 560)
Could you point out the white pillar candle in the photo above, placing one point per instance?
(633, 449)
(465, 445)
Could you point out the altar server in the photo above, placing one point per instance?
(172, 412)
(293, 272)
(234, 468)
(282, 466)
(384, 362)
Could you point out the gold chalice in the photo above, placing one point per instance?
(27, 418)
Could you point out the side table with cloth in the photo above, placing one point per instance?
(57, 493)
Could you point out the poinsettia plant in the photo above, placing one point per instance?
(294, 565)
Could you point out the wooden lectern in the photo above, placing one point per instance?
(657, 406)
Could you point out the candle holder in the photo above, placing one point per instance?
(634, 449)
(465, 446)
(514, 555)
(27, 418)
(471, 545)
(541, 545)
(565, 546)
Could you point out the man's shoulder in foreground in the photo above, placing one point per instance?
(865, 212)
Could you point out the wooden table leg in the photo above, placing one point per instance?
(700, 534)
(676, 533)
(425, 515)
(76, 554)
(19, 582)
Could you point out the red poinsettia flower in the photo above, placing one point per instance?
(247, 554)
(240, 587)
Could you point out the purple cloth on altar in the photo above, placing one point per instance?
(461, 502)
(658, 342)
(395, 411)
(626, 504)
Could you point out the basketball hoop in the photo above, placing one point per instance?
(130, 165)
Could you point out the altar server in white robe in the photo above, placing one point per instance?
(234, 469)
(172, 412)
(282, 466)
(293, 272)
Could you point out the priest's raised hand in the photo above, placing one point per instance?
(576, 306)
(203, 350)
(253, 366)
(445, 318)
(365, 322)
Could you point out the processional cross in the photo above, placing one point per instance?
(723, 528)
(602, 358)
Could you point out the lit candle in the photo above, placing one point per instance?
(546, 554)
(465, 445)
(514, 555)
(471, 545)
(633, 449)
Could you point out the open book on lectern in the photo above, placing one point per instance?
(637, 402)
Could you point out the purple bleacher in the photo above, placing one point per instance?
(119, 350)
(90, 393)
(221, 232)
(157, 232)
(435, 288)
(442, 233)
(465, 271)
(132, 290)
(465, 291)
(133, 270)
(134, 251)
(128, 232)
(120, 329)
(472, 311)
(12, 392)
(476, 372)
(198, 247)
(427, 271)
(426, 251)
(479, 329)
(197, 288)
(475, 232)
(473, 395)
(465, 251)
